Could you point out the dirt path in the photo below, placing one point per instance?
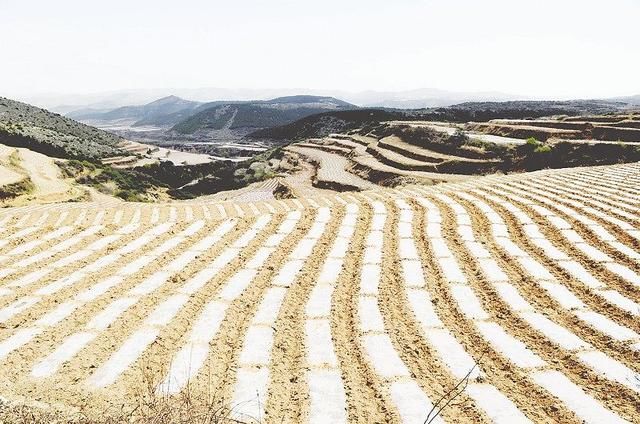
(45, 175)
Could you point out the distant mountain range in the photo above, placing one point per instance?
(425, 97)
(258, 114)
(165, 111)
(281, 118)
(188, 117)
(407, 99)
(174, 119)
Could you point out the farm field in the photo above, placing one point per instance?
(344, 164)
(487, 299)
(576, 129)
(613, 128)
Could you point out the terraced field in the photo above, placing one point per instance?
(351, 162)
(600, 129)
(332, 170)
(495, 299)
(577, 129)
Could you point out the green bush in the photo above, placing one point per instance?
(129, 196)
(130, 185)
(545, 148)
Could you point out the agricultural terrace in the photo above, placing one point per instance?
(495, 299)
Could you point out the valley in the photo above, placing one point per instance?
(214, 128)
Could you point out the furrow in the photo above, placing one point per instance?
(230, 271)
(619, 226)
(166, 313)
(327, 397)
(14, 239)
(402, 297)
(245, 295)
(155, 302)
(622, 188)
(260, 380)
(288, 397)
(591, 256)
(558, 331)
(603, 192)
(622, 183)
(597, 292)
(592, 217)
(550, 293)
(54, 325)
(55, 259)
(367, 401)
(53, 264)
(24, 298)
(190, 360)
(409, 400)
(600, 196)
(39, 243)
(501, 360)
(471, 227)
(50, 365)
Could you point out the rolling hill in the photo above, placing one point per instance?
(258, 114)
(162, 112)
(322, 124)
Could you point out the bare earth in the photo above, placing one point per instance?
(363, 306)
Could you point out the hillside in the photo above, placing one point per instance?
(37, 179)
(357, 277)
(23, 125)
(258, 114)
(322, 124)
(162, 112)
(512, 298)
(632, 100)
(483, 111)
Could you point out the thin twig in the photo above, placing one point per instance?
(457, 390)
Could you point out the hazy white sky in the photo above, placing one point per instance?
(546, 48)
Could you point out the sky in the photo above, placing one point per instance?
(543, 49)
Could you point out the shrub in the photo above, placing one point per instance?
(128, 184)
(129, 196)
(13, 190)
(543, 148)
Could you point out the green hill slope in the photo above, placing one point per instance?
(258, 114)
(323, 124)
(24, 125)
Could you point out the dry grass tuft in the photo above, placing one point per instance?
(148, 407)
(157, 410)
